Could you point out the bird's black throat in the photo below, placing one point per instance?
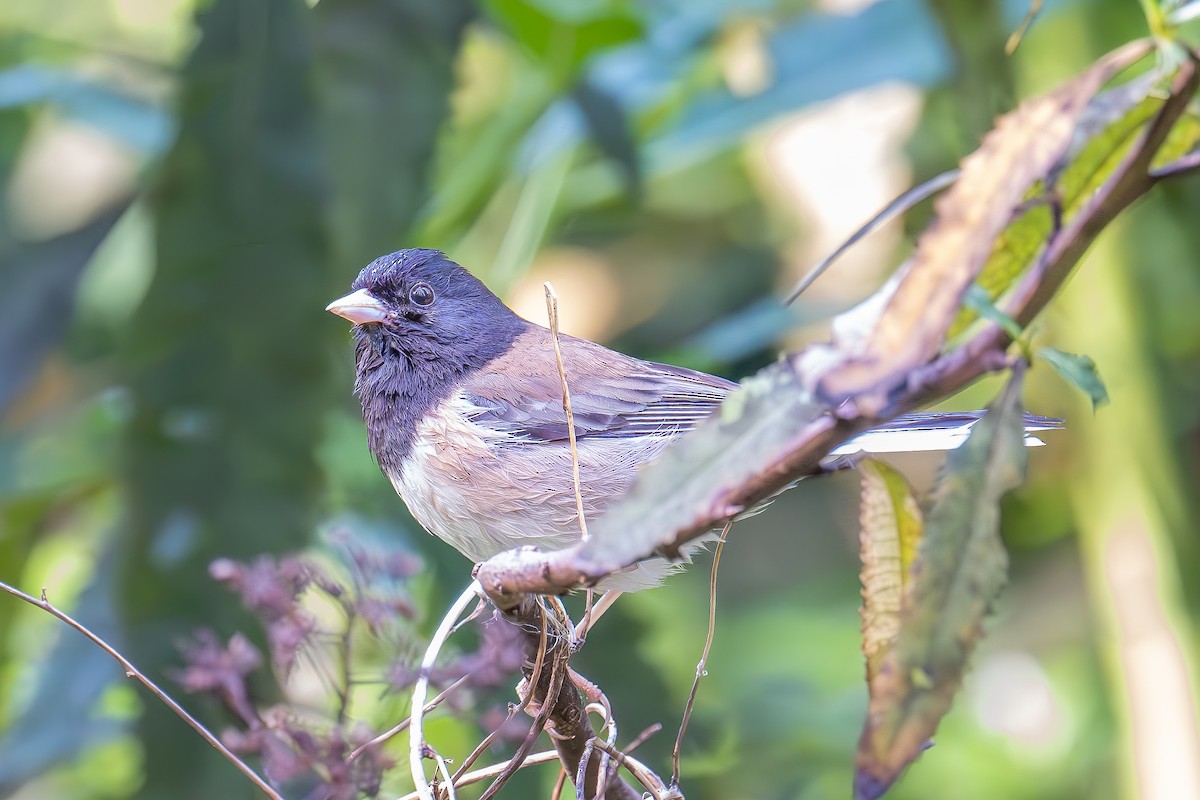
(402, 377)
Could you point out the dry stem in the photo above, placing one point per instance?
(701, 669)
(133, 672)
(490, 772)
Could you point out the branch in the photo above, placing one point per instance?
(784, 421)
(133, 672)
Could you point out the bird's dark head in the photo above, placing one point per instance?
(421, 322)
(421, 307)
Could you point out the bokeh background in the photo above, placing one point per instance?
(187, 184)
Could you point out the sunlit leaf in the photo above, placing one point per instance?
(1104, 136)
(1079, 371)
(889, 532)
(1026, 146)
(960, 568)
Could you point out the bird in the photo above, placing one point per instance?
(463, 407)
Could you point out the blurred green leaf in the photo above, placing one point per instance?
(960, 568)
(37, 297)
(815, 57)
(225, 353)
(1079, 371)
(385, 70)
(609, 128)
(977, 301)
(564, 35)
(131, 120)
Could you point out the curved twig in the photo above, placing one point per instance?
(133, 672)
(416, 737)
(701, 668)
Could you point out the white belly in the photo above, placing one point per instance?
(480, 492)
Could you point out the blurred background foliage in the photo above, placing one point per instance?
(188, 182)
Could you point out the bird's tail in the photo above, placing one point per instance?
(928, 431)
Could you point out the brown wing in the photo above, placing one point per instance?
(612, 395)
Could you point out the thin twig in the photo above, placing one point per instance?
(641, 738)
(403, 726)
(490, 772)
(552, 312)
(701, 669)
(1017, 36)
(558, 672)
(559, 785)
(416, 737)
(482, 606)
(897, 206)
(606, 770)
(535, 676)
(637, 769)
(133, 672)
(444, 771)
(593, 614)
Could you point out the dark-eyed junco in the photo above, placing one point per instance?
(463, 406)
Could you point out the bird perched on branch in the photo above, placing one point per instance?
(463, 405)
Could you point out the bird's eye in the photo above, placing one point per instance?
(421, 294)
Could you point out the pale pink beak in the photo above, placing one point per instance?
(359, 307)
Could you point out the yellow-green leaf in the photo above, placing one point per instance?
(960, 568)
(889, 532)
(1105, 134)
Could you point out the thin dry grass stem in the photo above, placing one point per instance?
(480, 607)
(447, 782)
(416, 737)
(133, 672)
(535, 676)
(593, 613)
(645, 776)
(558, 673)
(552, 312)
(641, 738)
(485, 773)
(559, 785)
(701, 671)
(1014, 40)
(898, 206)
(403, 726)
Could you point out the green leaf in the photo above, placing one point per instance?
(978, 299)
(1079, 371)
(38, 282)
(1110, 126)
(564, 35)
(890, 526)
(960, 568)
